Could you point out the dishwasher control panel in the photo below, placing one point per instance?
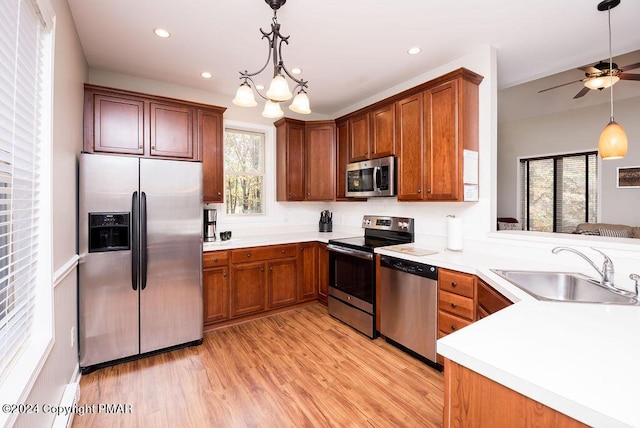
(410, 267)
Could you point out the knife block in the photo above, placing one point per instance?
(325, 227)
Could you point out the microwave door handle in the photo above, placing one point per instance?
(376, 178)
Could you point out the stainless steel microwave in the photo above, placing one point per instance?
(375, 177)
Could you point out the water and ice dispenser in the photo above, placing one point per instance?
(109, 232)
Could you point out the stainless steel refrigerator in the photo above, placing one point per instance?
(140, 246)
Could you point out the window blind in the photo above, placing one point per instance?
(21, 104)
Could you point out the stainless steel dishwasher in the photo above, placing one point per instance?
(409, 305)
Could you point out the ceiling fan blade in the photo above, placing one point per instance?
(629, 76)
(559, 86)
(590, 70)
(582, 93)
(630, 67)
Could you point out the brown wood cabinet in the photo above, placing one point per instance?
(282, 282)
(248, 288)
(409, 137)
(359, 128)
(320, 137)
(134, 124)
(383, 132)
(215, 286)
(210, 142)
(489, 300)
(323, 273)
(308, 275)
(472, 400)
(303, 151)
(342, 158)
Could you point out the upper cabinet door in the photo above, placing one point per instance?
(409, 129)
(359, 147)
(116, 125)
(443, 154)
(171, 130)
(320, 157)
(383, 131)
(210, 142)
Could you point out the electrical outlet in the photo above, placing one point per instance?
(73, 336)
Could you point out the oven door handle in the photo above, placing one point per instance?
(350, 252)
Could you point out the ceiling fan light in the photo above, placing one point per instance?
(601, 82)
(613, 141)
(300, 103)
(279, 89)
(244, 96)
(272, 110)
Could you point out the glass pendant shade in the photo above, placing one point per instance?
(272, 110)
(244, 96)
(613, 141)
(300, 103)
(601, 82)
(279, 89)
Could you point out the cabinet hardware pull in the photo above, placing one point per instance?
(419, 190)
(453, 305)
(453, 283)
(453, 327)
(308, 193)
(428, 190)
(224, 274)
(282, 251)
(215, 260)
(219, 193)
(261, 269)
(271, 268)
(248, 254)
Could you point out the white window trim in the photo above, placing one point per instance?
(18, 384)
(269, 176)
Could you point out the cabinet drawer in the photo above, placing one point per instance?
(448, 323)
(456, 304)
(263, 253)
(215, 259)
(456, 282)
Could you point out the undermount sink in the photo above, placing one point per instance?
(564, 286)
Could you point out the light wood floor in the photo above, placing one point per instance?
(300, 368)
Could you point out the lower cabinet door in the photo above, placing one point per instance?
(282, 282)
(248, 288)
(308, 271)
(215, 288)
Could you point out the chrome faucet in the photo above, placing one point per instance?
(635, 277)
(607, 267)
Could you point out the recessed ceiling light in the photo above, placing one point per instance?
(206, 75)
(296, 70)
(161, 32)
(414, 50)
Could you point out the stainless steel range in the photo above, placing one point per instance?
(352, 269)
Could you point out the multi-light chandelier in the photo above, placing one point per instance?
(279, 88)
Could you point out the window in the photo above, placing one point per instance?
(244, 172)
(25, 271)
(559, 192)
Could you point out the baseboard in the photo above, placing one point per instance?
(70, 398)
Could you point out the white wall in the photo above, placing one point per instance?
(70, 72)
(430, 217)
(572, 131)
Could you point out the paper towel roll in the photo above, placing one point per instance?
(454, 233)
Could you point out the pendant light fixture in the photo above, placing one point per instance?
(613, 140)
(279, 88)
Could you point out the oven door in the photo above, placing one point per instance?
(352, 277)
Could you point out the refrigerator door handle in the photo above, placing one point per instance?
(134, 241)
(143, 240)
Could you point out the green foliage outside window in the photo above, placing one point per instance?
(244, 172)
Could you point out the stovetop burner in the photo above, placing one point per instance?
(379, 231)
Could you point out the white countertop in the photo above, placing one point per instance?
(582, 360)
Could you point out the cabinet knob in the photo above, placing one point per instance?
(215, 260)
(428, 190)
(219, 193)
(271, 268)
(453, 327)
(261, 269)
(282, 251)
(419, 191)
(453, 305)
(248, 254)
(308, 193)
(224, 274)
(454, 284)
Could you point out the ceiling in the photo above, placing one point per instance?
(348, 50)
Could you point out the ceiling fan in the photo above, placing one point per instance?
(597, 76)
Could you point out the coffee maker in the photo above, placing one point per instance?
(209, 226)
